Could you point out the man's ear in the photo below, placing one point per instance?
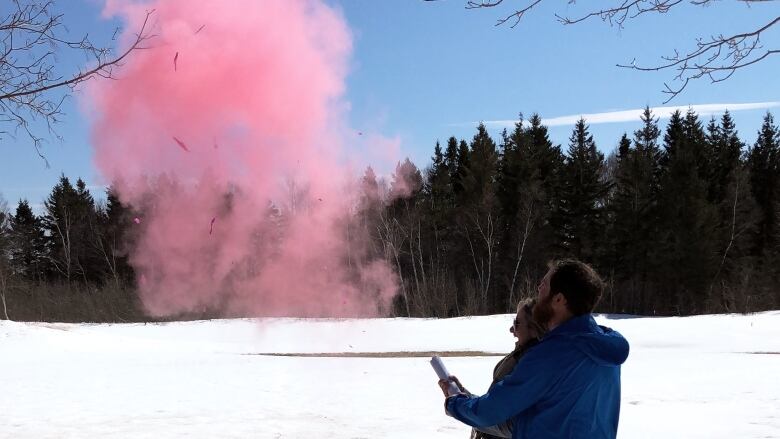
(560, 299)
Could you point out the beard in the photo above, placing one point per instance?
(543, 312)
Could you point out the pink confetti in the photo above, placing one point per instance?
(137, 220)
(211, 227)
(181, 144)
(175, 58)
(200, 29)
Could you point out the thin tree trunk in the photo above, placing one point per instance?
(521, 249)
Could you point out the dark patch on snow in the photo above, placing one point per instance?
(399, 354)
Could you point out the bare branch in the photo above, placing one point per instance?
(716, 58)
(30, 40)
(627, 10)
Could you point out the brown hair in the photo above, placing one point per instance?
(578, 282)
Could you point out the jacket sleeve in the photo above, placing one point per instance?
(527, 384)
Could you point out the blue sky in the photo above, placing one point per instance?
(423, 71)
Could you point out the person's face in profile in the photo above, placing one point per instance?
(543, 311)
(544, 287)
(521, 328)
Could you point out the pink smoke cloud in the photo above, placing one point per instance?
(265, 81)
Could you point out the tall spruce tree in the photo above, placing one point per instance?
(437, 181)
(582, 196)
(514, 227)
(461, 170)
(5, 230)
(70, 222)
(540, 182)
(509, 173)
(451, 157)
(479, 220)
(29, 252)
(730, 191)
(688, 255)
(635, 215)
(481, 170)
(764, 168)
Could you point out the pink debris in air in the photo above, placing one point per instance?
(181, 144)
(137, 220)
(175, 58)
(211, 226)
(282, 108)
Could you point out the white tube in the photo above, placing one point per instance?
(443, 374)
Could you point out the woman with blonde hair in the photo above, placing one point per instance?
(528, 333)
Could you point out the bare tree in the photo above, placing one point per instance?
(716, 57)
(33, 86)
(483, 261)
(528, 208)
(5, 269)
(392, 237)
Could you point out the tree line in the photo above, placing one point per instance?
(679, 221)
(70, 263)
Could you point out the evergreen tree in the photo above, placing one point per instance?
(713, 140)
(727, 155)
(369, 189)
(5, 230)
(672, 138)
(544, 160)
(582, 196)
(624, 147)
(509, 174)
(70, 221)
(437, 181)
(646, 143)
(729, 190)
(634, 214)
(696, 141)
(481, 169)
(461, 170)
(407, 181)
(451, 162)
(687, 253)
(117, 236)
(540, 182)
(512, 225)
(764, 168)
(29, 254)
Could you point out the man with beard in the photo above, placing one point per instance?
(568, 385)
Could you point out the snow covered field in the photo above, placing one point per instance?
(694, 377)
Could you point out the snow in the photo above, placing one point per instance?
(694, 377)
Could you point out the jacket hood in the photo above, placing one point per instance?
(603, 345)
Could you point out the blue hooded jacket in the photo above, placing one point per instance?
(567, 386)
